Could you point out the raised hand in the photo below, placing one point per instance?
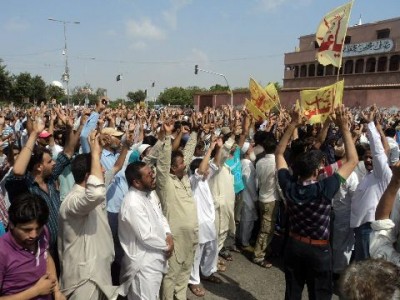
(296, 117)
(341, 117)
(369, 116)
(38, 125)
(95, 143)
(168, 126)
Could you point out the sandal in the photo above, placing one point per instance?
(212, 278)
(225, 254)
(263, 263)
(197, 290)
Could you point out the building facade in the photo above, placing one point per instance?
(370, 69)
(370, 66)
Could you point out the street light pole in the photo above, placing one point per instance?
(197, 69)
(65, 76)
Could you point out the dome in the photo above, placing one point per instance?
(57, 83)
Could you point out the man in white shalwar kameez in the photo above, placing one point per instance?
(144, 234)
(250, 195)
(206, 256)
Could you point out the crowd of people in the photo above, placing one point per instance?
(101, 203)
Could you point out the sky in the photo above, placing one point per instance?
(162, 40)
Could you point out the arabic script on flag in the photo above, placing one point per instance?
(262, 100)
(316, 105)
(331, 34)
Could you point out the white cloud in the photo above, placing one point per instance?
(144, 29)
(171, 15)
(16, 25)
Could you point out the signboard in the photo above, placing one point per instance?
(374, 47)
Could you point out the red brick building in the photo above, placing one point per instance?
(370, 69)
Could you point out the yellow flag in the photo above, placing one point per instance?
(316, 105)
(272, 95)
(255, 111)
(330, 35)
(262, 99)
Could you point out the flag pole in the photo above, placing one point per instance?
(341, 52)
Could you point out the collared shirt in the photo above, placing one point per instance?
(235, 166)
(8, 130)
(205, 205)
(371, 187)
(16, 185)
(20, 268)
(266, 177)
(384, 239)
(90, 125)
(309, 206)
(142, 231)
(85, 244)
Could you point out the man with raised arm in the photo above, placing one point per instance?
(371, 187)
(35, 171)
(179, 207)
(308, 258)
(84, 239)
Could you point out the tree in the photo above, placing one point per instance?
(101, 92)
(176, 96)
(22, 87)
(219, 88)
(38, 89)
(79, 94)
(137, 96)
(54, 92)
(5, 82)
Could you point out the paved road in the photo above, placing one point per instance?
(244, 280)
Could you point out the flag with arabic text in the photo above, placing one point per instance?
(316, 105)
(331, 34)
(262, 100)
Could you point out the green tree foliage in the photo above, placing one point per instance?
(54, 92)
(26, 86)
(137, 96)
(176, 96)
(5, 82)
(219, 88)
(79, 94)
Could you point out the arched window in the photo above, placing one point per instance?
(303, 71)
(311, 70)
(296, 71)
(336, 70)
(328, 70)
(348, 67)
(394, 63)
(320, 70)
(359, 66)
(370, 65)
(382, 63)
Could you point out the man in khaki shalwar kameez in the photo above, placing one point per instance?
(179, 207)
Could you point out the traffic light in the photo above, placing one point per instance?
(196, 69)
